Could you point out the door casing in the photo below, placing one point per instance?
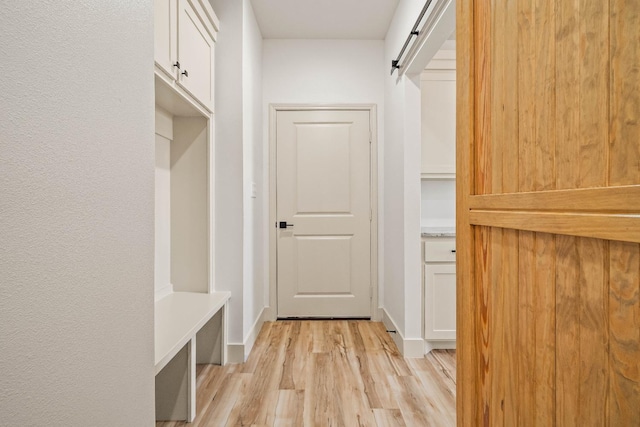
(271, 313)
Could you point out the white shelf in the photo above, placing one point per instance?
(178, 317)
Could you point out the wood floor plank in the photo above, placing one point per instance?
(289, 409)
(389, 417)
(326, 373)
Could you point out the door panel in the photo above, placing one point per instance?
(195, 52)
(548, 219)
(323, 259)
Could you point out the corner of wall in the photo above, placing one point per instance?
(239, 352)
(408, 347)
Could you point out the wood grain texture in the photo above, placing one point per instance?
(593, 22)
(621, 227)
(624, 336)
(567, 331)
(594, 331)
(622, 199)
(526, 329)
(544, 294)
(482, 313)
(344, 363)
(544, 99)
(466, 389)
(624, 51)
(551, 146)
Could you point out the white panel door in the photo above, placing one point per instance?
(440, 301)
(323, 190)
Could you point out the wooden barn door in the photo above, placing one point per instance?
(548, 212)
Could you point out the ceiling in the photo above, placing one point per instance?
(324, 19)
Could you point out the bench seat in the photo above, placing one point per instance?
(179, 317)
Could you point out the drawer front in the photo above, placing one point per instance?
(440, 249)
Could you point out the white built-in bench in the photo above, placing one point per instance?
(181, 319)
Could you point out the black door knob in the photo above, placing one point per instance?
(283, 224)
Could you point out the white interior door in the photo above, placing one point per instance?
(323, 189)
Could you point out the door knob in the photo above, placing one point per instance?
(283, 224)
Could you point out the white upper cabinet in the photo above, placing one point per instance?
(166, 37)
(438, 89)
(185, 32)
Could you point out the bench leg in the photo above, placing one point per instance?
(223, 333)
(212, 340)
(176, 386)
(191, 374)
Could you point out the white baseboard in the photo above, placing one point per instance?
(439, 345)
(409, 347)
(239, 352)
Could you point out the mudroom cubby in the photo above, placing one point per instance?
(190, 315)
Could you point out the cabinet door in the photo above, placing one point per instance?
(195, 53)
(440, 301)
(438, 90)
(165, 35)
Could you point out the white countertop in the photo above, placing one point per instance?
(438, 231)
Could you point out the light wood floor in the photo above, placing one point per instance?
(327, 373)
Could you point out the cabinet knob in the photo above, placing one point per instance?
(185, 73)
(177, 64)
(453, 251)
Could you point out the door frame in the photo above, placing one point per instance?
(271, 313)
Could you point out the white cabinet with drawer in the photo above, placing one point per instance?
(439, 288)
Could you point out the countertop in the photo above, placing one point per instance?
(438, 232)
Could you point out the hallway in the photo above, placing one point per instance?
(327, 373)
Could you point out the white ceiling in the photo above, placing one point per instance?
(324, 19)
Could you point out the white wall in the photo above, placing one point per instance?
(76, 213)
(329, 72)
(229, 167)
(239, 217)
(254, 215)
(323, 71)
(402, 184)
(438, 203)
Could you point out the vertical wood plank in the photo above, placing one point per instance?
(624, 322)
(567, 176)
(495, 356)
(545, 329)
(467, 385)
(545, 94)
(526, 37)
(510, 238)
(509, 367)
(624, 164)
(567, 331)
(526, 95)
(594, 93)
(493, 170)
(545, 179)
(594, 328)
(568, 93)
(483, 114)
(526, 326)
(483, 311)
(495, 133)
